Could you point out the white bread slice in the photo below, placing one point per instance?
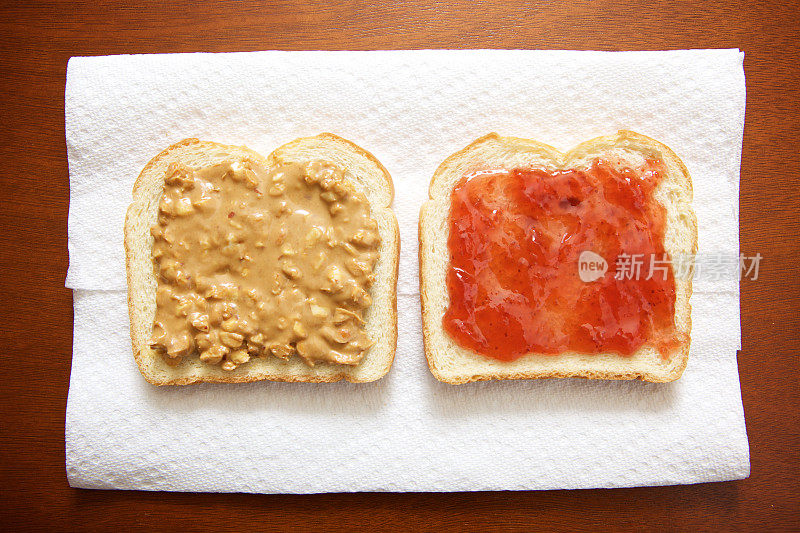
(366, 173)
(452, 363)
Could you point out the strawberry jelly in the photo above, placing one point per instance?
(515, 239)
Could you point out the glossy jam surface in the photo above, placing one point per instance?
(515, 241)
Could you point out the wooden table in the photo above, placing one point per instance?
(36, 312)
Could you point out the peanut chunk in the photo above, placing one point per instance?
(213, 355)
(231, 340)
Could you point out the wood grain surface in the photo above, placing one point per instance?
(37, 39)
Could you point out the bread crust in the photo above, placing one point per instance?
(495, 152)
(367, 173)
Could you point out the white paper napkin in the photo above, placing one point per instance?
(406, 432)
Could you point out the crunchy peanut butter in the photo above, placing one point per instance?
(255, 261)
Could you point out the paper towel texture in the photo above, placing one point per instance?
(406, 432)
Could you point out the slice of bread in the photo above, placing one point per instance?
(450, 362)
(363, 170)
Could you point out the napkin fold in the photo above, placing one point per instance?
(406, 432)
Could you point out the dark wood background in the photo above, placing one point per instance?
(37, 39)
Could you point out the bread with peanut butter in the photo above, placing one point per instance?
(528, 261)
(244, 268)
